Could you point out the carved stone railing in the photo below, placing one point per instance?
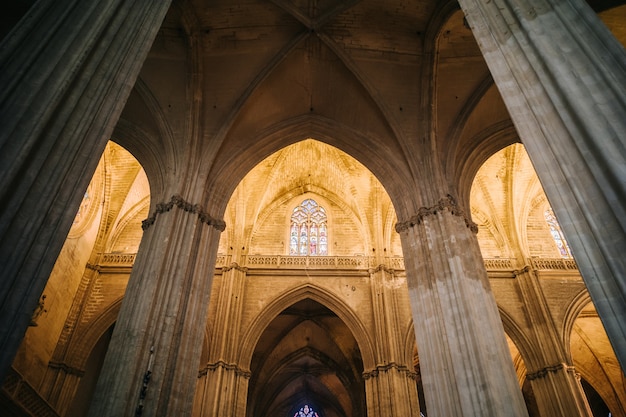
(117, 259)
(498, 264)
(396, 262)
(562, 264)
(312, 262)
(344, 262)
(221, 261)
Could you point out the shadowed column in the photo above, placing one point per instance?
(66, 71)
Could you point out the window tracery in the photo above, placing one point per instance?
(306, 411)
(557, 234)
(308, 232)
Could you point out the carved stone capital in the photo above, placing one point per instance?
(541, 373)
(236, 267)
(226, 366)
(447, 203)
(92, 267)
(386, 368)
(524, 270)
(179, 202)
(67, 369)
(382, 267)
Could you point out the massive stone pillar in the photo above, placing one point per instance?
(66, 71)
(562, 76)
(556, 387)
(151, 366)
(465, 362)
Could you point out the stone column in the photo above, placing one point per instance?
(66, 71)
(465, 362)
(64, 374)
(391, 387)
(151, 367)
(562, 76)
(554, 382)
(225, 389)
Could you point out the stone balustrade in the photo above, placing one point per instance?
(346, 262)
(553, 264)
(117, 259)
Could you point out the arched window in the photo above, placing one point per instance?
(308, 234)
(557, 234)
(306, 411)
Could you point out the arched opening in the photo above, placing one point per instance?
(519, 233)
(63, 349)
(87, 384)
(596, 403)
(306, 356)
(595, 361)
(361, 68)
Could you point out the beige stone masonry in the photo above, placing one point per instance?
(562, 76)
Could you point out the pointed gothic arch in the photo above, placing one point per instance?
(319, 295)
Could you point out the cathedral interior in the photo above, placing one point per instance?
(248, 226)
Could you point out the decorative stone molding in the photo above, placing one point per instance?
(225, 366)
(554, 263)
(338, 262)
(298, 262)
(446, 203)
(70, 370)
(178, 201)
(552, 368)
(118, 258)
(236, 267)
(92, 267)
(386, 368)
(382, 267)
(396, 263)
(524, 270)
(501, 264)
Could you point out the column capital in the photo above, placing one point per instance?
(68, 369)
(181, 203)
(373, 373)
(447, 203)
(236, 267)
(541, 373)
(233, 367)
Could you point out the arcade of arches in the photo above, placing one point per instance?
(309, 205)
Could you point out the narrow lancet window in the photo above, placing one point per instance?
(308, 231)
(557, 234)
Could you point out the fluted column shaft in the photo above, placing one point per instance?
(151, 366)
(391, 391)
(62, 376)
(556, 388)
(222, 393)
(562, 76)
(66, 71)
(465, 363)
(390, 388)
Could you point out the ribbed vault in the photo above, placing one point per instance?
(306, 355)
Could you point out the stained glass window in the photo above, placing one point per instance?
(308, 232)
(306, 411)
(557, 234)
(84, 205)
